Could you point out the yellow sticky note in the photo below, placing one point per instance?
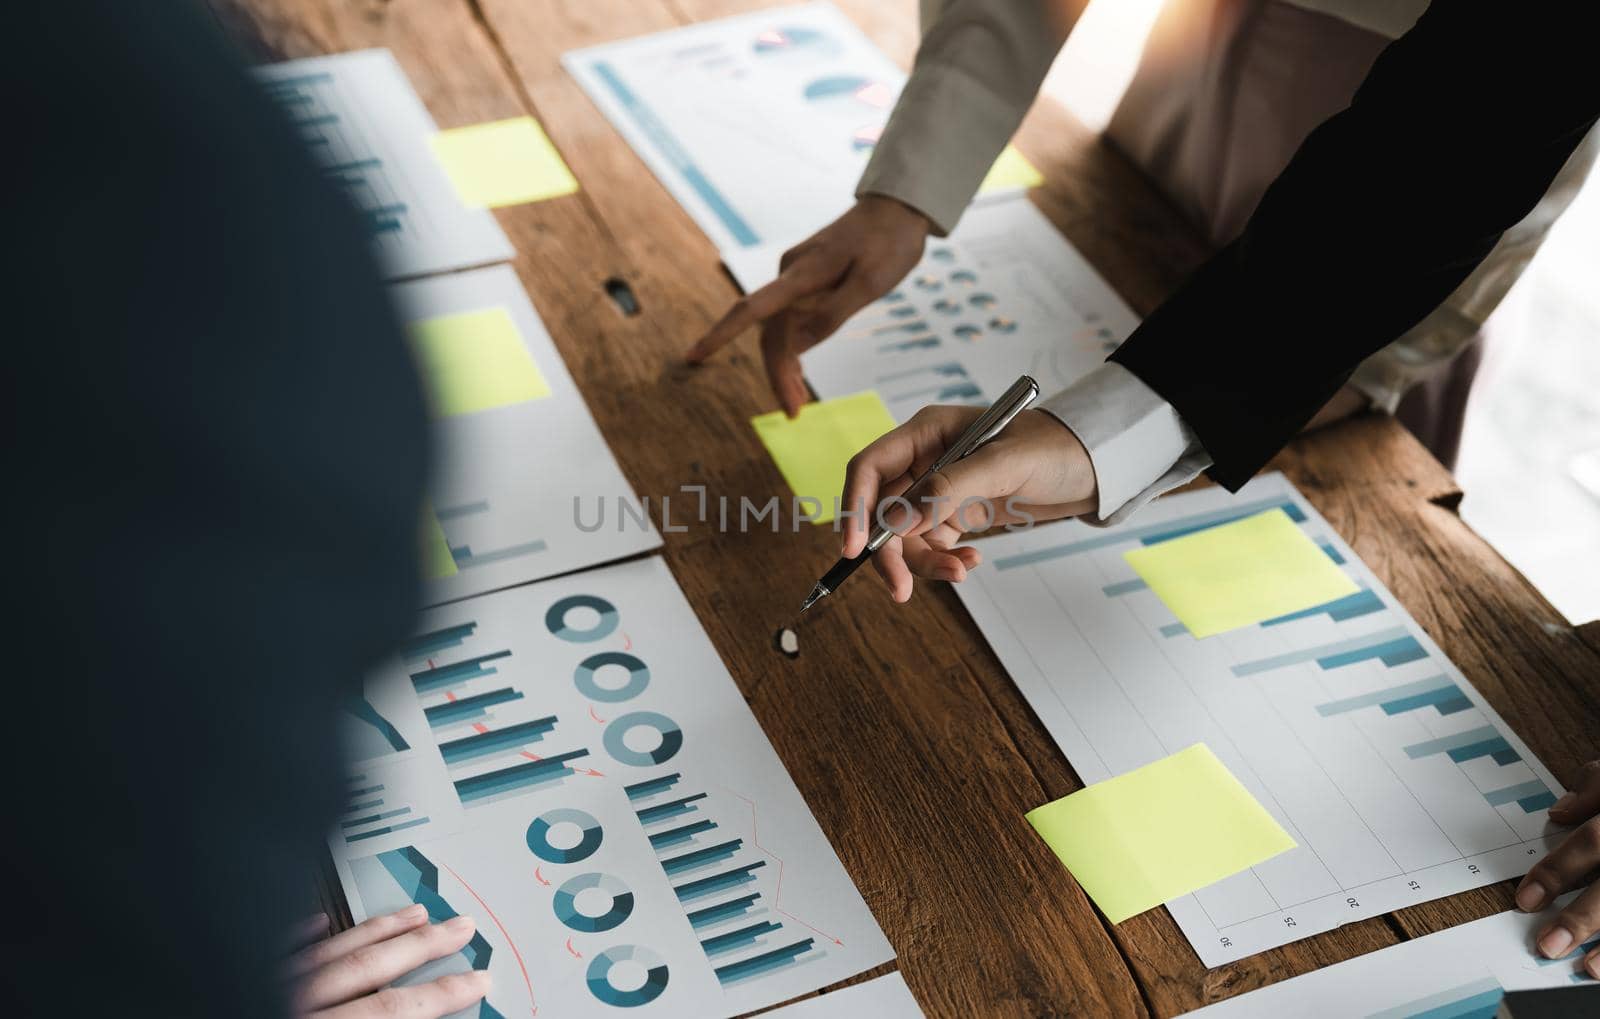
(436, 558)
(813, 449)
(1011, 170)
(473, 361)
(1159, 832)
(506, 162)
(1241, 573)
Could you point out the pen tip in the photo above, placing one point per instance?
(812, 598)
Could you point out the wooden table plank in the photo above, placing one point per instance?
(912, 746)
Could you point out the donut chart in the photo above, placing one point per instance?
(555, 620)
(589, 686)
(671, 738)
(599, 976)
(566, 903)
(539, 835)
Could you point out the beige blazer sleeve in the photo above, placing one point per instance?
(977, 71)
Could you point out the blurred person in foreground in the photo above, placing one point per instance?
(216, 455)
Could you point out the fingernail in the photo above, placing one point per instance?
(1530, 896)
(482, 979)
(1564, 802)
(459, 924)
(1555, 942)
(414, 912)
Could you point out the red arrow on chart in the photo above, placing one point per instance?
(540, 877)
(576, 954)
(594, 716)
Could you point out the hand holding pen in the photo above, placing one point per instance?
(1034, 470)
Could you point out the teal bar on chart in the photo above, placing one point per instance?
(1344, 652)
(744, 937)
(1352, 606)
(1438, 692)
(765, 962)
(496, 740)
(1479, 999)
(718, 882)
(649, 787)
(424, 644)
(672, 808)
(701, 857)
(1465, 746)
(723, 911)
(516, 777)
(451, 712)
(678, 836)
(429, 680)
(1150, 535)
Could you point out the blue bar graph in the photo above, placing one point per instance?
(678, 836)
(701, 857)
(358, 822)
(1532, 797)
(440, 676)
(673, 808)
(375, 832)
(1391, 653)
(1351, 606)
(465, 558)
(744, 937)
(425, 644)
(718, 882)
(1124, 587)
(649, 787)
(1436, 692)
(710, 915)
(1465, 746)
(644, 117)
(451, 712)
(1152, 534)
(517, 778)
(496, 740)
(1479, 999)
(1391, 646)
(765, 962)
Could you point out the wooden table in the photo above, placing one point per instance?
(913, 748)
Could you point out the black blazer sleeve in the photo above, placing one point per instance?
(1386, 208)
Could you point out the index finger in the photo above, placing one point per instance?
(802, 278)
(884, 459)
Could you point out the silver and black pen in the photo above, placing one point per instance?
(989, 424)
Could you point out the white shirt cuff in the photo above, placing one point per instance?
(1137, 443)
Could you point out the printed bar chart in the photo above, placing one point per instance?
(368, 131)
(517, 778)
(1419, 788)
(444, 676)
(366, 807)
(592, 788)
(425, 644)
(467, 708)
(1436, 692)
(496, 740)
(1479, 999)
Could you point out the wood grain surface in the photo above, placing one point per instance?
(912, 747)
